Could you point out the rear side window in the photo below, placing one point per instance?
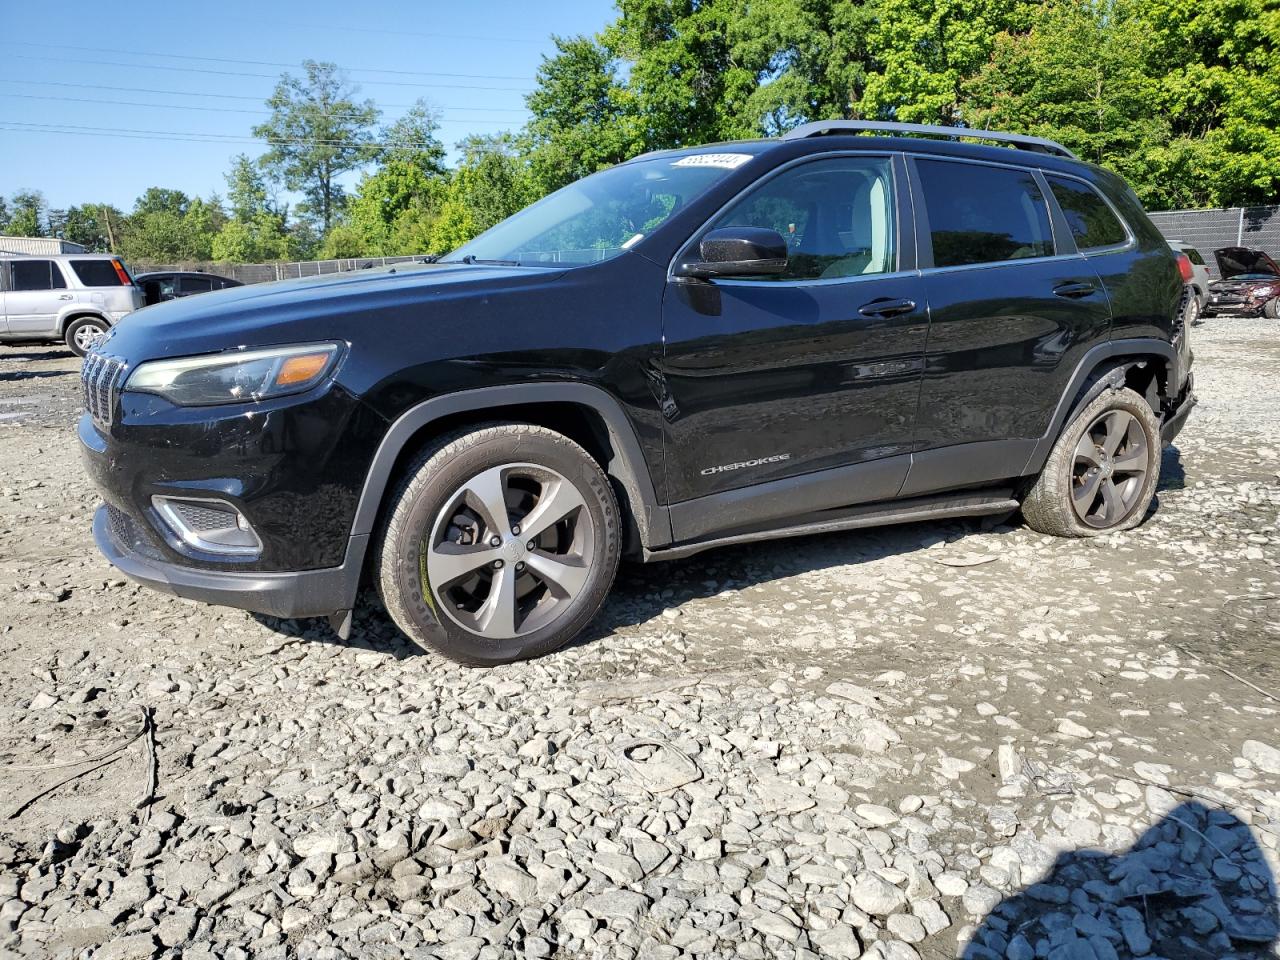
(37, 275)
(97, 273)
(1090, 218)
(196, 284)
(1193, 255)
(982, 214)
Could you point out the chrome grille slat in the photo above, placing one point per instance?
(100, 380)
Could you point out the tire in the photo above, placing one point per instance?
(438, 567)
(1059, 502)
(81, 331)
(1271, 309)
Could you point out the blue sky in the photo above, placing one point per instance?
(141, 56)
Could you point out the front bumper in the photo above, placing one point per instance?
(1233, 308)
(306, 593)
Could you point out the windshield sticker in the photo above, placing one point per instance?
(726, 161)
(636, 239)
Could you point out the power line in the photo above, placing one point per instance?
(345, 28)
(188, 106)
(258, 63)
(260, 76)
(227, 96)
(195, 136)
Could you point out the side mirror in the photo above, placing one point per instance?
(737, 252)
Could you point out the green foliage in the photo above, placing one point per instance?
(93, 224)
(318, 131)
(27, 210)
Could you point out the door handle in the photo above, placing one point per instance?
(884, 307)
(65, 296)
(1073, 291)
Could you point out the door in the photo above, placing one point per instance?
(1013, 308)
(808, 375)
(36, 293)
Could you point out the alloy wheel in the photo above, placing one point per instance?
(1109, 469)
(86, 335)
(509, 552)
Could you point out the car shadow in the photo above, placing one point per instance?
(1195, 886)
(35, 354)
(15, 376)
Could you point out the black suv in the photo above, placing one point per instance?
(698, 347)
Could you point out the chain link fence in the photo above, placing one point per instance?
(264, 272)
(1210, 230)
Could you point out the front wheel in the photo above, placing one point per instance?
(1102, 472)
(82, 333)
(500, 544)
(1271, 309)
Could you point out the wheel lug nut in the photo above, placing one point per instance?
(495, 541)
(532, 545)
(497, 564)
(515, 531)
(520, 565)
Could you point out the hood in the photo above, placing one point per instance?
(1234, 261)
(330, 307)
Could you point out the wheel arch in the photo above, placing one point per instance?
(76, 312)
(1146, 365)
(584, 413)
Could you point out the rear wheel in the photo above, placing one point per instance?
(500, 544)
(83, 332)
(1102, 472)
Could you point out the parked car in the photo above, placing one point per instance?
(161, 286)
(1250, 285)
(1199, 282)
(699, 347)
(74, 298)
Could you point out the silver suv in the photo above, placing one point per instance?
(72, 297)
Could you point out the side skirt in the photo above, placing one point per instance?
(966, 504)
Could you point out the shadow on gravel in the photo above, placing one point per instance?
(35, 354)
(1172, 474)
(14, 376)
(1194, 887)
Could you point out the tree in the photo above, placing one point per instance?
(27, 216)
(584, 118)
(1077, 75)
(247, 191)
(93, 225)
(4, 215)
(167, 226)
(317, 132)
(254, 240)
(414, 139)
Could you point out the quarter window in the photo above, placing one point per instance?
(983, 214)
(37, 275)
(1090, 218)
(836, 216)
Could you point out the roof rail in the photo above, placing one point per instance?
(820, 127)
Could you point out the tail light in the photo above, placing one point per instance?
(122, 273)
(1184, 267)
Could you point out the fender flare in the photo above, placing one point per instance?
(1097, 357)
(628, 465)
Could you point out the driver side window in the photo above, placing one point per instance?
(837, 216)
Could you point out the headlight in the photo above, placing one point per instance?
(236, 376)
(1262, 292)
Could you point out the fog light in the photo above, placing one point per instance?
(210, 526)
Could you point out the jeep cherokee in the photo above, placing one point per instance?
(697, 347)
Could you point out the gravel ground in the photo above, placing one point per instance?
(934, 740)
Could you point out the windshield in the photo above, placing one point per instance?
(1254, 276)
(600, 216)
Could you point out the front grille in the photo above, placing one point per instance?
(100, 380)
